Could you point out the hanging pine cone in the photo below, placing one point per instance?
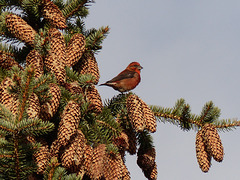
(53, 15)
(97, 165)
(41, 157)
(150, 120)
(55, 60)
(213, 142)
(151, 173)
(36, 60)
(33, 110)
(88, 154)
(72, 157)
(49, 108)
(203, 158)
(88, 65)
(146, 161)
(75, 49)
(55, 147)
(132, 149)
(7, 61)
(95, 100)
(69, 122)
(113, 167)
(146, 157)
(20, 29)
(135, 113)
(9, 100)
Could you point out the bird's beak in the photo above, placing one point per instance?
(140, 67)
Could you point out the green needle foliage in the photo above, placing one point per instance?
(53, 124)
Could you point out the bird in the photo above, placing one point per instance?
(126, 80)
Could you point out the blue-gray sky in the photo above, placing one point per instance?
(189, 49)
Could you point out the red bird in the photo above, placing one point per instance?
(127, 79)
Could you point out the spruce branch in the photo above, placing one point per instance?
(94, 38)
(73, 7)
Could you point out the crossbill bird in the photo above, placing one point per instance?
(127, 80)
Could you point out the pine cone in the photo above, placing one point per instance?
(75, 49)
(9, 100)
(113, 167)
(7, 61)
(33, 110)
(150, 120)
(36, 60)
(54, 15)
(135, 113)
(55, 147)
(41, 158)
(55, 60)
(203, 158)
(20, 29)
(146, 158)
(72, 157)
(213, 142)
(95, 100)
(151, 173)
(97, 165)
(132, 141)
(88, 65)
(69, 122)
(146, 161)
(49, 108)
(88, 154)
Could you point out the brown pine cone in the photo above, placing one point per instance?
(95, 100)
(97, 165)
(41, 157)
(135, 113)
(72, 157)
(88, 65)
(88, 154)
(55, 60)
(69, 122)
(213, 142)
(7, 61)
(9, 100)
(146, 157)
(20, 29)
(36, 60)
(132, 148)
(33, 110)
(113, 167)
(49, 108)
(54, 15)
(75, 49)
(150, 120)
(203, 157)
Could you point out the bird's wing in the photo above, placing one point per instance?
(126, 74)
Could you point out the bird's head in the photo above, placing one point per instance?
(134, 66)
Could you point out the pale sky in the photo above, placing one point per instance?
(189, 49)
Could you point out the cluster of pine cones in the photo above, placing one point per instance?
(208, 145)
(71, 146)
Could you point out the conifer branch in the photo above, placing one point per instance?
(16, 157)
(25, 94)
(74, 6)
